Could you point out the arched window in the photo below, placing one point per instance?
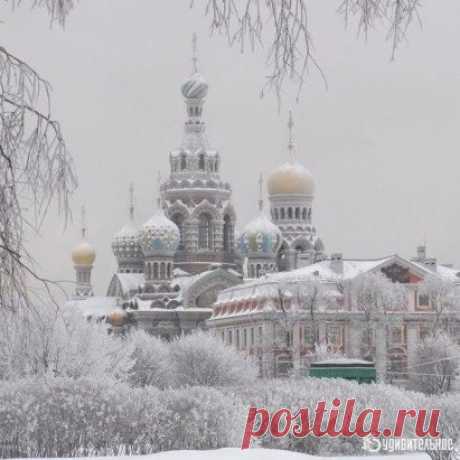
(228, 234)
(258, 270)
(304, 214)
(297, 213)
(169, 271)
(201, 161)
(282, 213)
(179, 219)
(183, 162)
(155, 270)
(205, 232)
(289, 213)
(162, 271)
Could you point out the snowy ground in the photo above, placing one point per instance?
(256, 454)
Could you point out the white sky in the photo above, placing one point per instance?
(382, 142)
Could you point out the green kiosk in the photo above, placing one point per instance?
(344, 368)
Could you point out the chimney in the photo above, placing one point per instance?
(432, 264)
(337, 262)
(421, 253)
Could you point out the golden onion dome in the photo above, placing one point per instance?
(291, 178)
(83, 254)
(117, 317)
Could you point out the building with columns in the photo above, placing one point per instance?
(270, 319)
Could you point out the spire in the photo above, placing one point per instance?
(194, 53)
(291, 146)
(261, 199)
(131, 202)
(83, 222)
(159, 190)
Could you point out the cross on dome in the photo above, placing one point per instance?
(83, 222)
(291, 146)
(261, 199)
(194, 53)
(131, 201)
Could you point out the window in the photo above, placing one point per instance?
(201, 164)
(282, 213)
(304, 214)
(183, 162)
(245, 338)
(308, 336)
(228, 234)
(205, 232)
(398, 335)
(223, 336)
(289, 213)
(297, 213)
(252, 336)
(260, 333)
(179, 219)
(230, 337)
(423, 301)
(237, 339)
(334, 335)
(276, 214)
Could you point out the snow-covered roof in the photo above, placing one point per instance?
(130, 281)
(93, 306)
(444, 271)
(342, 361)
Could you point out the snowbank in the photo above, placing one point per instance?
(256, 454)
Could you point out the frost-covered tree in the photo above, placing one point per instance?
(442, 296)
(283, 27)
(375, 295)
(202, 359)
(35, 165)
(59, 345)
(152, 360)
(436, 365)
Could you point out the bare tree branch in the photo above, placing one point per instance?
(35, 169)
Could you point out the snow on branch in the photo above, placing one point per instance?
(35, 169)
(284, 26)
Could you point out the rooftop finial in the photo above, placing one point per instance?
(131, 201)
(194, 53)
(83, 222)
(261, 199)
(291, 136)
(159, 190)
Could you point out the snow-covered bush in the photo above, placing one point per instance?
(202, 359)
(199, 418)
(436, 364)
(60, 345)
(151, 358)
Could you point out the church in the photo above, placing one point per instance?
(185, 268)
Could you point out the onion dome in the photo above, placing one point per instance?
(195, 87)
(260, 238)
(125, 243)
(159, 236)
(84, 254)
(291, 179)
(117, 317)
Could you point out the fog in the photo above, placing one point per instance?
(382, 141)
